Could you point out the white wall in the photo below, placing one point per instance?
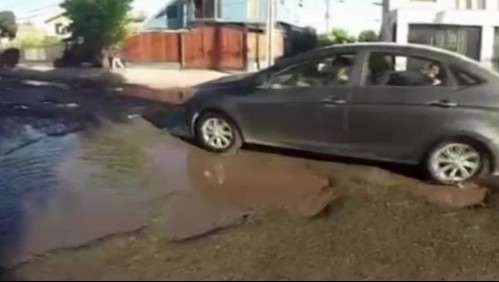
(437, 4)
(49, 29)
(439, 13)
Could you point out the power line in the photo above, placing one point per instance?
(34, 15)
(44, 8)
(24, 3)
(12, 7)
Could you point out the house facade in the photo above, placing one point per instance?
(469, 27)
(57, 26)
(180, 14)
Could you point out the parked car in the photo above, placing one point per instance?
(400, 103)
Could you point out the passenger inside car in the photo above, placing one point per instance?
(335, 71)
(394, 70)
(343, 67)
(433, 74)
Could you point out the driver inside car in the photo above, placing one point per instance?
(337, 71)
(433, 74)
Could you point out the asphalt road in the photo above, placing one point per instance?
(92, 187)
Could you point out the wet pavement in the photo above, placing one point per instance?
(91, 188)
(67, 181)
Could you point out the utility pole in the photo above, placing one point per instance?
(270, 31)
(386, 29)
(328, 16)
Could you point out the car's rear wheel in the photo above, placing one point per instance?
(217, 133)
(454, 162)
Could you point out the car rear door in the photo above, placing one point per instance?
(392, 116)
(300, 107)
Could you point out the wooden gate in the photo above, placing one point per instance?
(215, 47)
(152, 47)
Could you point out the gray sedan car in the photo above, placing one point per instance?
(400, 103)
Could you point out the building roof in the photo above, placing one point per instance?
(52, 18)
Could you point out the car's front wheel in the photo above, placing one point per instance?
(456, 162)
(218, 133)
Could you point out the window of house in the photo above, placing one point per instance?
(465, 40)
(206, 9)
(471, 4)
(172, 12)
(334, 71)
(482, 4)
(495, 59)
(61, 29)
(254, 9)
(387, 69)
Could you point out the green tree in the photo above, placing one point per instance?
(341, 36)
(368, 36)
(8, 25)
(98, 24)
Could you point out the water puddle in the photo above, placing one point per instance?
(210, 191)
(60, 188)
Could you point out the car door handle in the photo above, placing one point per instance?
(443, 104)
(334, 100)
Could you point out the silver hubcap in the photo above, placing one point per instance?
(455, 163)
(217, 133)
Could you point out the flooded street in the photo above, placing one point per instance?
(91, 189)
(67, 190)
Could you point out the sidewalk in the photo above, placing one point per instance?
(151, 83)
(149, 77)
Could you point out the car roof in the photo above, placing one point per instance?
(391, 46)
(409, 49)
(394, 46)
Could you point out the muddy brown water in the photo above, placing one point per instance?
(64, 190)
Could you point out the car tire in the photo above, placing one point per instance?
(218, 133)
(457, 161)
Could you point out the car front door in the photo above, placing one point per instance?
(398, 108)
(303, 106)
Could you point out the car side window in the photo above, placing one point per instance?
(331, 71)
(387, 69)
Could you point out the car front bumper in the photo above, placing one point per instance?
(183, 131)
(494, 154)
(180, 123)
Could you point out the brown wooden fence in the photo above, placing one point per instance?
(207, 47)
(154, 47)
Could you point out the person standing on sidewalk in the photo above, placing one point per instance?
(116, 61)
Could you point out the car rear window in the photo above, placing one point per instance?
(392, 69)
(465, 79)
